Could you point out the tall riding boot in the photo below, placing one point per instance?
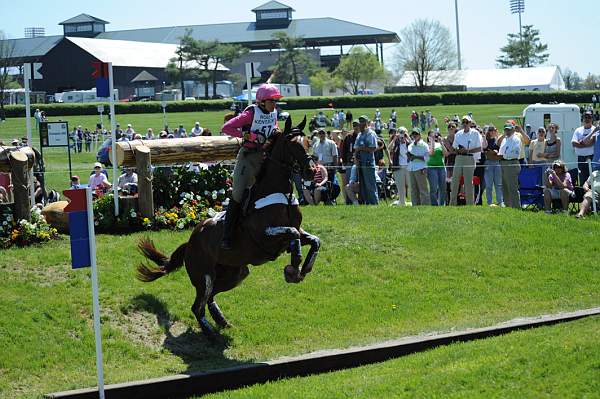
(231, 217)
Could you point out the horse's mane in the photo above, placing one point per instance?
(268, 149)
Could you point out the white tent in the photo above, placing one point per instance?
(540, 78)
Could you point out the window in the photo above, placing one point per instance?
(84, 28)
(273, 15)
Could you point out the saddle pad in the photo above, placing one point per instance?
(275, 198)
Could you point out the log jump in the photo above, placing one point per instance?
(18, 161)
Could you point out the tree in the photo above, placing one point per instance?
(426, 46)
(571, 78)
(591, 82)
(7, 60)
(292, 62)
(322, 79)
(224, 53)
(358, 69)
(523, 51)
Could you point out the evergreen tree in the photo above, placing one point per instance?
(523, 51)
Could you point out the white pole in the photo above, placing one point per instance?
(113, 135)
(95, 300)
(249, 81)
(457, 33)
(589, 162)
(26, 79)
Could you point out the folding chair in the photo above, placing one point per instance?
(531, 190)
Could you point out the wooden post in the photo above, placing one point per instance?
(144, 172)
(20, 181)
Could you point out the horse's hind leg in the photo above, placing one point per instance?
(199, 306)
(227, 279)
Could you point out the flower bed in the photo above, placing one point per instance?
(23, 233)
(182, 198)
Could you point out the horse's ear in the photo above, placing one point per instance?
(288, 125)
(302, 124)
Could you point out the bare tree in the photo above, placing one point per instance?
(7, 60)
(426, 46)
(571, 78)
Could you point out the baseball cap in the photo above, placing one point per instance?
(363, 117)
(415, 130)
(97, 165)
(588, 113)
(466, 117)
(509, 126)
(355, 122)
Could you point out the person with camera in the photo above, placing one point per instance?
(418, 154)
(398, 149)
(347, 157)
(467, 142)
(509, 152)
(591, 190)
(558, 185)
(436, 172)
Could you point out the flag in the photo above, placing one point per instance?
(101, 75)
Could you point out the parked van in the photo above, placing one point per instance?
(566, 116)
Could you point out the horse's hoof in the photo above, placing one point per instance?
(291, 274)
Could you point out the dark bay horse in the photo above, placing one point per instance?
(271, 227)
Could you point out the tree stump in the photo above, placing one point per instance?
(144, 172)
(20, 181)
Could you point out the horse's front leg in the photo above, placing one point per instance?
(315, 245)
(291, 272)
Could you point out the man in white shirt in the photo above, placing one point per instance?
(467, 142)
(510, 150)
(325, 150)
(583, 149)
(196, 130)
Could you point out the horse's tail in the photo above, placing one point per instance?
(166, 265)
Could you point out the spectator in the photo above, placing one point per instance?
(592, 138)
(418, 154)
(467, 142)
(197, 130)
(592, 190)
(451, 157)
(98, 180)
(137, 136)
(537, 147)
(163, 134)
(129, 132)
(377, 114)
(75, 182)
(398, 149)
(317, 191)
(349, 117)
(428, 118)
(335, 121)
(583, 149)
(87, 137)
(119, 132)
(509, 151)
(423, 120)
(414, 119)
(149, 134)
(493, 173)
(347, 155)
(552, 146)
(325, 150)
(206, 132)
(394, 116)
(321, 120)
(342, 119)
(180, 132)
(365, 146)
(352, 189)
(558, 185)
(436, 172)
(128, 181)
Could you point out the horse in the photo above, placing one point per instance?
(270, 226)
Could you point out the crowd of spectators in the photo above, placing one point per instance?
(462, 165)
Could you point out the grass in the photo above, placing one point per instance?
(382, 273)
(561, 361)
(56, 158)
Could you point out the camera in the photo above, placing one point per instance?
(549, 171)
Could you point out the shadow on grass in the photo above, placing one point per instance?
(196, 350)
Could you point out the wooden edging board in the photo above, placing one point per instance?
(184, 385)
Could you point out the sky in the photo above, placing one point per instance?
(484, 24)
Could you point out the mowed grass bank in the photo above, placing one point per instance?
(382, 273)
(561, 361)
(56, 158)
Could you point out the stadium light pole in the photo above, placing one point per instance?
(518, 7)
(457, 33)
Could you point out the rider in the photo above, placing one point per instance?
(255, 124)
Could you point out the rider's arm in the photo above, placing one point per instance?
(233, 127)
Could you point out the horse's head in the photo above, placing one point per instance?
(287, 149)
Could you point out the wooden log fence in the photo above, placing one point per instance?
(18, 161)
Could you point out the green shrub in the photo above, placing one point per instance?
(373, 101)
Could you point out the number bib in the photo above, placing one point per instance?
(263, 124)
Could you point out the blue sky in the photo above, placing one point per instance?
(564, 25)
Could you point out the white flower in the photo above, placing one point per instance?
(206, 192)
(4, 223)
(214, 195)
(222, 191)
(9, 218)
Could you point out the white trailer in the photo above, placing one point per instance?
(566, 116)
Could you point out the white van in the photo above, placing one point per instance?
(566, 116)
